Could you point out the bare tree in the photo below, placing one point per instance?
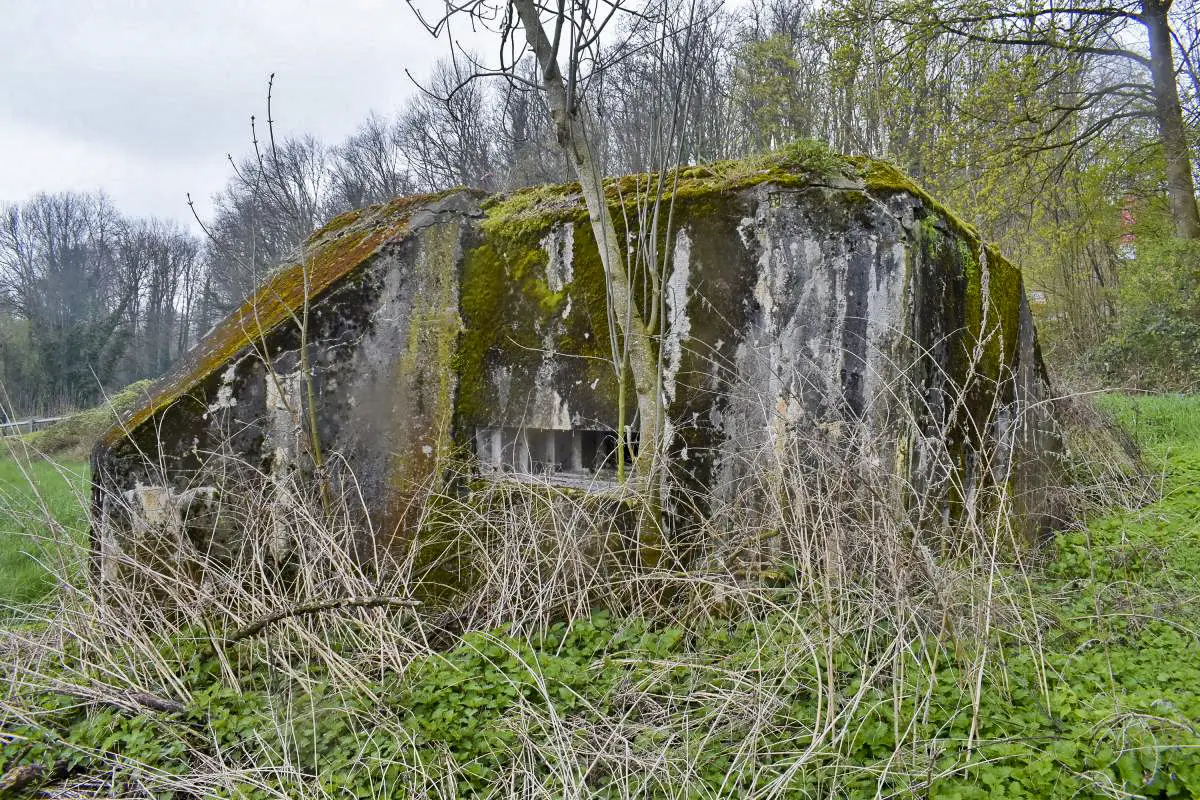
(444, 133)
(60, 270)
(275, 198)
(664, 96)
(166, 296)
(527, 152)
(369, 167)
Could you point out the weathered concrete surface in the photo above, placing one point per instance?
(463, 329)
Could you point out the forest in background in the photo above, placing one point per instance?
(1043, 126)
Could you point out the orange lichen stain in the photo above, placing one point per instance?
(347, 242)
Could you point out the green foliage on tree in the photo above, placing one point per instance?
(1155, 337)
(766, 80)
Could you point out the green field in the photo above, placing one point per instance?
(34, 491)
(43, 497)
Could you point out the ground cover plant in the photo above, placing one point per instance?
(836, 671)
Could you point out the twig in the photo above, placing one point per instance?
(318, 607)
(17, 780)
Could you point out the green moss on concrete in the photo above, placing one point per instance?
(506, 305)
(510, 311)
(994, 320)
(880, 177)
(1007, 290)
(973, 314)
(425, 378)
(538, 208)
(505, 276)
(336, 224)
(434, 330)
(532, 210)
(483, 298)
(798, 165)
(957, 254)
(337, 250)
(587, 336)
(1004, 280)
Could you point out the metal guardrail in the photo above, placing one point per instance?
(27, 425)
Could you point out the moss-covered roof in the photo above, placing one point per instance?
(800, 164)
(329, 254)
(350, 239)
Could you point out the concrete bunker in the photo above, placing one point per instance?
(459, 329)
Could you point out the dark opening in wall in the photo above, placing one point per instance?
(536, 451)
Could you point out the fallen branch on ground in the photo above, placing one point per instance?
(318, 607)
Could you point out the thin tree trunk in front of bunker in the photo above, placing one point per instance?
(573, 137)
(571, 130)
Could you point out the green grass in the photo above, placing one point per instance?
(43, 480)
(1164, 423)
(31, 551)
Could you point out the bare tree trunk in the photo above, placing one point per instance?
(1170, 120)
(572, 133)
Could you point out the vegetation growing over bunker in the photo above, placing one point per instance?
(506, 294)
(508, 308)
(509, 322)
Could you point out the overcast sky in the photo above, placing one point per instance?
(144, 99)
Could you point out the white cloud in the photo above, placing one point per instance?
(144, 99)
